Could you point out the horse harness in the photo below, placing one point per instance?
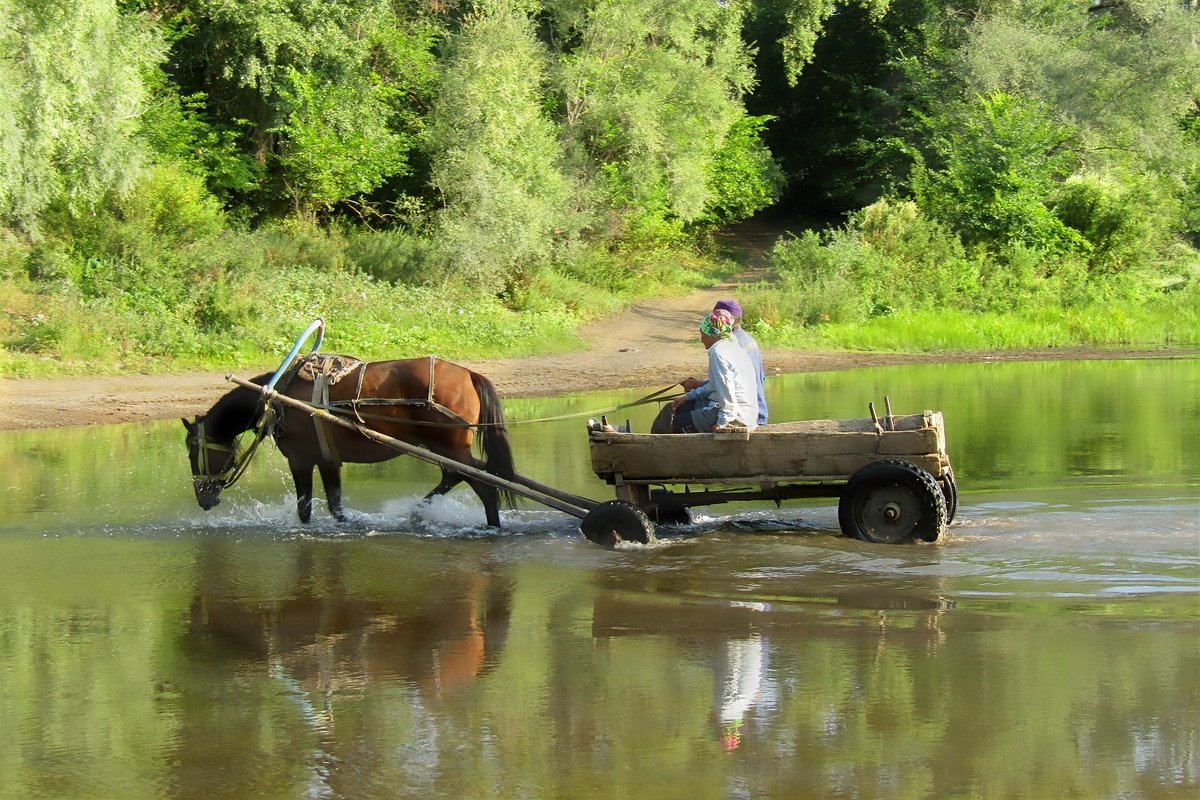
(326, 370)
(323, 371)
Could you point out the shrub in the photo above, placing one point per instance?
(143, 245)
(299, 243)
(923, 263)
(14, 254)
(888, 257)
(818, 284)
(1125, 223)
(45, 262)
(395, 256)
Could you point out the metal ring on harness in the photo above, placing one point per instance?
(317, 325)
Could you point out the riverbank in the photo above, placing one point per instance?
(650, 345)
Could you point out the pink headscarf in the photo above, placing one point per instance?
(719, 324)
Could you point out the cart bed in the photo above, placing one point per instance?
(812, 450)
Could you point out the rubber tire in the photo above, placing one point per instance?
(616, 521)
(950, 491)
(907, 488)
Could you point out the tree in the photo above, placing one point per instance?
(744, 178)
(804, 24)
(70, 96)
(1122, 75)
(995, 162)
(496, 156)
(1120, 78)
(335, 142)
(326, 96)
(649, 92)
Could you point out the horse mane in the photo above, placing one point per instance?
(234, 412)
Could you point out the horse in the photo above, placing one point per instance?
(423, 401)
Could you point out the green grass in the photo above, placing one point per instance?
(1173, 322)
(238, 300)
(364, 318)
(249, 318)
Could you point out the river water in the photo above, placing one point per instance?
(1049, 648)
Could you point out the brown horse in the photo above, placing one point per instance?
(424, 401)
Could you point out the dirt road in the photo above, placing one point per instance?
(653, 344)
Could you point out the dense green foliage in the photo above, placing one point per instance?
(1035, 182)
(187, 180)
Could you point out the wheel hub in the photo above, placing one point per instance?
(890, 512)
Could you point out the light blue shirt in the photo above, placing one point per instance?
(752, 350)
(751, 347)
(731, 385)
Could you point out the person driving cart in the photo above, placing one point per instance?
(730, 397)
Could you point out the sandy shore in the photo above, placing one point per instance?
(653, 344)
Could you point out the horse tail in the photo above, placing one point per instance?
(497, 452)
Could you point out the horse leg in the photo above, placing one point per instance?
(302, 476)
(490, 498)
(331, 479)
(487, 492)
(450, 479)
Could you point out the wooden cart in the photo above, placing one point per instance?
(891, 474)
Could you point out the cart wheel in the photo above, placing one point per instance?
(617, 521)
(673, 515)
(892, 501)
(950, 490)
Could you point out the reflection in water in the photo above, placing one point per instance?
(739, 674)
(324, 650)
(732, 646)
(826, 699)
(1048, 649)
(325, 641)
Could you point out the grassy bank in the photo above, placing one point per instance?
(240, 300)
(1173, 323)
(891, 280)
(137, 299)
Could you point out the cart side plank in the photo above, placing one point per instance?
(819, 469)
(795, 450)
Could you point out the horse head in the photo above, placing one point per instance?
(213, 462)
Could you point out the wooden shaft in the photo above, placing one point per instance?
(575, 508)
(561, 495)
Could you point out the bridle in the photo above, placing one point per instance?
(238, 459)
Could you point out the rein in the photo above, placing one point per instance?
(653, 397)
(348, 407)
(266, 421)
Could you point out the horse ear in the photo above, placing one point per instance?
(187, 425)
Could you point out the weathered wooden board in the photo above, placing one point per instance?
(813, 449)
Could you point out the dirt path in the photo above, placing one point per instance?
(651, 345)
